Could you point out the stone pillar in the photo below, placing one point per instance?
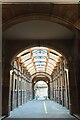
(67, 87)
(30, 89)
(73, 89)
(18, 75)
(13, 98)
(51, 91)
(0, 60)
(5, 89)
(62, 81)
(21, 89)
(12, 91)
(74, 82)
(78, 72)
(56, 88)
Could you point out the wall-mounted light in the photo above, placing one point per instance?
(11, 71)
(47, 81)
(34, 81)
(66, 69)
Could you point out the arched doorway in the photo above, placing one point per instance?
(45, 80)
(41, 90)
(44, 64)
(66, 46)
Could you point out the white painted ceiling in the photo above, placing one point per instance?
(54, 1)
(37, 29)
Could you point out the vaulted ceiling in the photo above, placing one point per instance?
(39, 59)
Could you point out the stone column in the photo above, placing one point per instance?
(74, 81)
(30, 89)
(5, 89)
(13, 90)
(67, 88)
(17, 74)
(51, 91)
(56, 88)
(21, 89)
(78, 71)
(10, 91)
(0, 60)
(53, 88)
(73, 89)
(61, 83)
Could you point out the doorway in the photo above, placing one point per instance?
(41, 90)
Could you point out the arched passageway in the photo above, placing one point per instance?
(41, 90)
(18, 28)
(33, 65)
(43, 78)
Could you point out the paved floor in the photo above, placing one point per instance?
(41, 109)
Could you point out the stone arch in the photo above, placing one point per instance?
(12, 54)
(45, 74)
(63, 53)
(34, 81)
(47, 17)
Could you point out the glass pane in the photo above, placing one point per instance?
(49, 68)
(30, 65)
(31, 68)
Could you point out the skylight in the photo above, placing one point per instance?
(39, 59)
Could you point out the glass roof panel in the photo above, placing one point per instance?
(49, 68)
(25, 59)
(48, 72)
(38, 63)
(30, 65)
(36, 60)
(52, 62)
(39, 51)
(40, 70)
(26, 55)
(38, 48)
(54, 57)
(40, 54)
(50, 65)
(31, 68)
(33, 71)
(40, 67)
(28, 62)
(39, 59)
